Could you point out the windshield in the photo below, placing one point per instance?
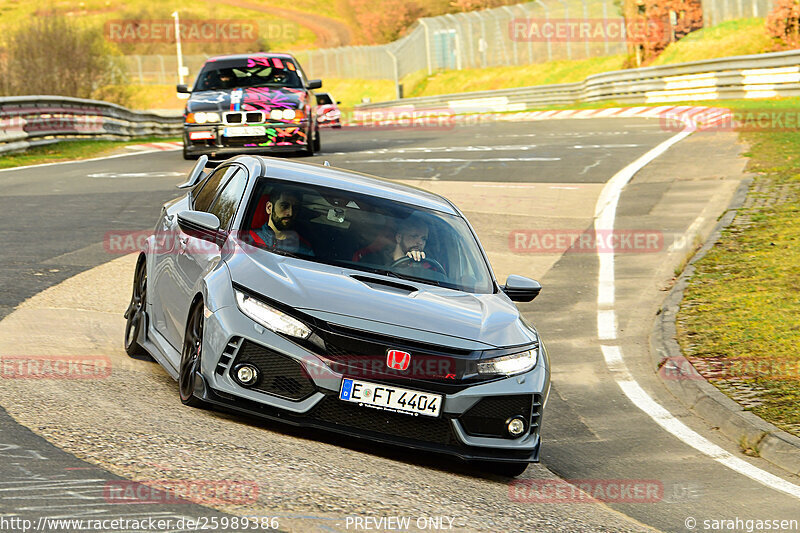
(249, 72)
(324, 99)
(365, 233)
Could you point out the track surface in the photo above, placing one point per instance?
(543, 175)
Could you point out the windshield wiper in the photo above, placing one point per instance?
(417, 278)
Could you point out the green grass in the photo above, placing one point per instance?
(732, 38)
(456, 81)
(71, 150)
(743, 300)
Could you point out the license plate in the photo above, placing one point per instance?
(390, 398)
(245, 131)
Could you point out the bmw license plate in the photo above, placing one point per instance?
(245, 131)
(390, 398)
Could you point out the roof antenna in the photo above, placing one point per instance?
(327, 163)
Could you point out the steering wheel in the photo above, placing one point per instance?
(437, 267)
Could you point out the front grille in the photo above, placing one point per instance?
(277, 374)
(364, 355)
(487, 418)
(418, 428)
(249, 117)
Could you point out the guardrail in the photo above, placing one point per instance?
(751, 76)
(27, 121)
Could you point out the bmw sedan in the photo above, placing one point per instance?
(331, 299)
(250, 103)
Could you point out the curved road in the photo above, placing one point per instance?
(514, 181)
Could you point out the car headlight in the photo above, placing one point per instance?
(276, 114)
(511, 364)
(270, 317)
(206, 117)
(288, 114)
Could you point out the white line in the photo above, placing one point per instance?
(452, 160)
(605, 213)
(82, 160)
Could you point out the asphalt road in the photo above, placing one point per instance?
(509, 177)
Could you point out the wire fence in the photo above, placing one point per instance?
(533, 32)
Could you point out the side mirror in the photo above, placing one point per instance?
(199, 224)
(338, 102)
(183, 89)
(519, 288)
(314, 84)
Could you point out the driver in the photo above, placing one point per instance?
(279, 233)
(410, 240)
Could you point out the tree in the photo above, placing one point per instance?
(783, 24)
(54, 55)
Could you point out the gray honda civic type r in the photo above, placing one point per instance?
(330, 299)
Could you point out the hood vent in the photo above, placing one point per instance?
(383, 284)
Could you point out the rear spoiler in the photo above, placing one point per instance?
(197, 174)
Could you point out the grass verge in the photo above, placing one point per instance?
(71, 150)
(741, 310)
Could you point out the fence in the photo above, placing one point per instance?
(475, 39)
(27, 121)
(753, 76)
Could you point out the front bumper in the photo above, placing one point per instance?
(305, 393)
(279, 137)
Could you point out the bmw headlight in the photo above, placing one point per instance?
(207, 117)
(270, 317)
(276, 114)
(510, 364)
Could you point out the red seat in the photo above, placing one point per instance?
(381, 241)
(260, 216)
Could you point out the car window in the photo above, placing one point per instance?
(253, 71)
(365, 232)
(228, 200)
(324, 99)
(211, 187)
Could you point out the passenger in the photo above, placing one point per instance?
(279, 233)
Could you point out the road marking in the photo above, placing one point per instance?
(605, 213)
(80, 160)
(113, 175)
(454, 160)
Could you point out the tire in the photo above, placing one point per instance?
(308, 151)
(190, 357)
(317, 142)
(136, 314)
(187, 156)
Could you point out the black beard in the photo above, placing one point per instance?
(279, 224)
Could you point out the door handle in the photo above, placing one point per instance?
(184, 241)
